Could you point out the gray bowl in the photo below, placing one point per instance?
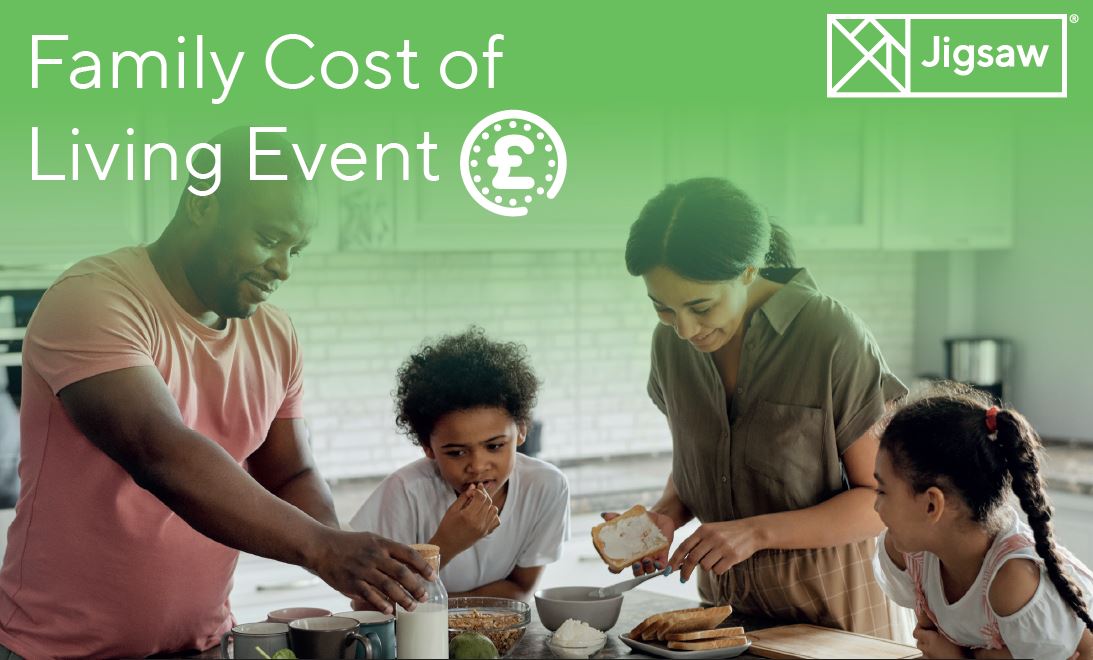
(560, 603)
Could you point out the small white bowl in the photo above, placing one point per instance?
(576, 651)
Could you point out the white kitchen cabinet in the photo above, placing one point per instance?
(848, 179)
(53, 223)
(697, 144)
(56, 223)
(615, 164)
(809, 172)
(812, 173)
(946, 186)
(841, 179)
(838, 180)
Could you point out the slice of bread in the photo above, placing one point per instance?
(705, 645)
(655, 619)
(629, 538)
(716, 633)
(686, 621)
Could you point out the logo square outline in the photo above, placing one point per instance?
(906, 90)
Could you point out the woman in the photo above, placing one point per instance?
(771, 390)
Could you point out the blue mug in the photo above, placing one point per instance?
(379, 628)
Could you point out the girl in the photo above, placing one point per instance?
(498, 516)
(980, 579)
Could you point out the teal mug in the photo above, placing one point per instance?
(379, 628)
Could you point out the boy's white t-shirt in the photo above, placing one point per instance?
(408, 505)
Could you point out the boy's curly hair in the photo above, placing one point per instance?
(462, 372)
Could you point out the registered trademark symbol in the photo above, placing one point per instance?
(1073, 18)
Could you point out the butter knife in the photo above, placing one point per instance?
(618, 589)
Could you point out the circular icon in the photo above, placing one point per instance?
(510, 160)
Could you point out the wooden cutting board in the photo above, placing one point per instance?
(807, 641)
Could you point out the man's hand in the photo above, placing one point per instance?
(372, 571)
(471, 517)
(657, 562)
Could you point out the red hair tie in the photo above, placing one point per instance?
(992, 419)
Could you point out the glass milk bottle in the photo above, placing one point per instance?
(423, 633)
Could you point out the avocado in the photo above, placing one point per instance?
(471, 646)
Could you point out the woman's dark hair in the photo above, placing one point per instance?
(706, 230)
(462, 372)
(940, 438)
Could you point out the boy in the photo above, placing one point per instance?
(498, 516)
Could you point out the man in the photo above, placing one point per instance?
(162, 432)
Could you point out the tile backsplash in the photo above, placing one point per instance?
(585, 321)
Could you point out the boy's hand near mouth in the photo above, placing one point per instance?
(471, 517)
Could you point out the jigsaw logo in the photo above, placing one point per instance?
(947, 55)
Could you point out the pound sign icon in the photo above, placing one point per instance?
(503, 160)
(506, 143)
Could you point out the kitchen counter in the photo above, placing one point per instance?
(636, 606)
(262, 585)
(1068, 466)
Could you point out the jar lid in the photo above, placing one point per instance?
(429, 552)
(426, 550)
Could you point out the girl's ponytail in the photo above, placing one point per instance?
(1019, 443)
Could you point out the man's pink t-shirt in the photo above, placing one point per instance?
(96, 566)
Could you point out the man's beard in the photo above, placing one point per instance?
(204, 274)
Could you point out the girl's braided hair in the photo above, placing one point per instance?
(941, 438)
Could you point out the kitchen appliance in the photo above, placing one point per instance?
(9, 447)
(16, 306)
(533, 441)
(982, 362)
(8, 334)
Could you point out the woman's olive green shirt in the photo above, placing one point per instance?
(811, 382)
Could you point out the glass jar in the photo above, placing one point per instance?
(423, 632)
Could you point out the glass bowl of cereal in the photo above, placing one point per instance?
(503, 620)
